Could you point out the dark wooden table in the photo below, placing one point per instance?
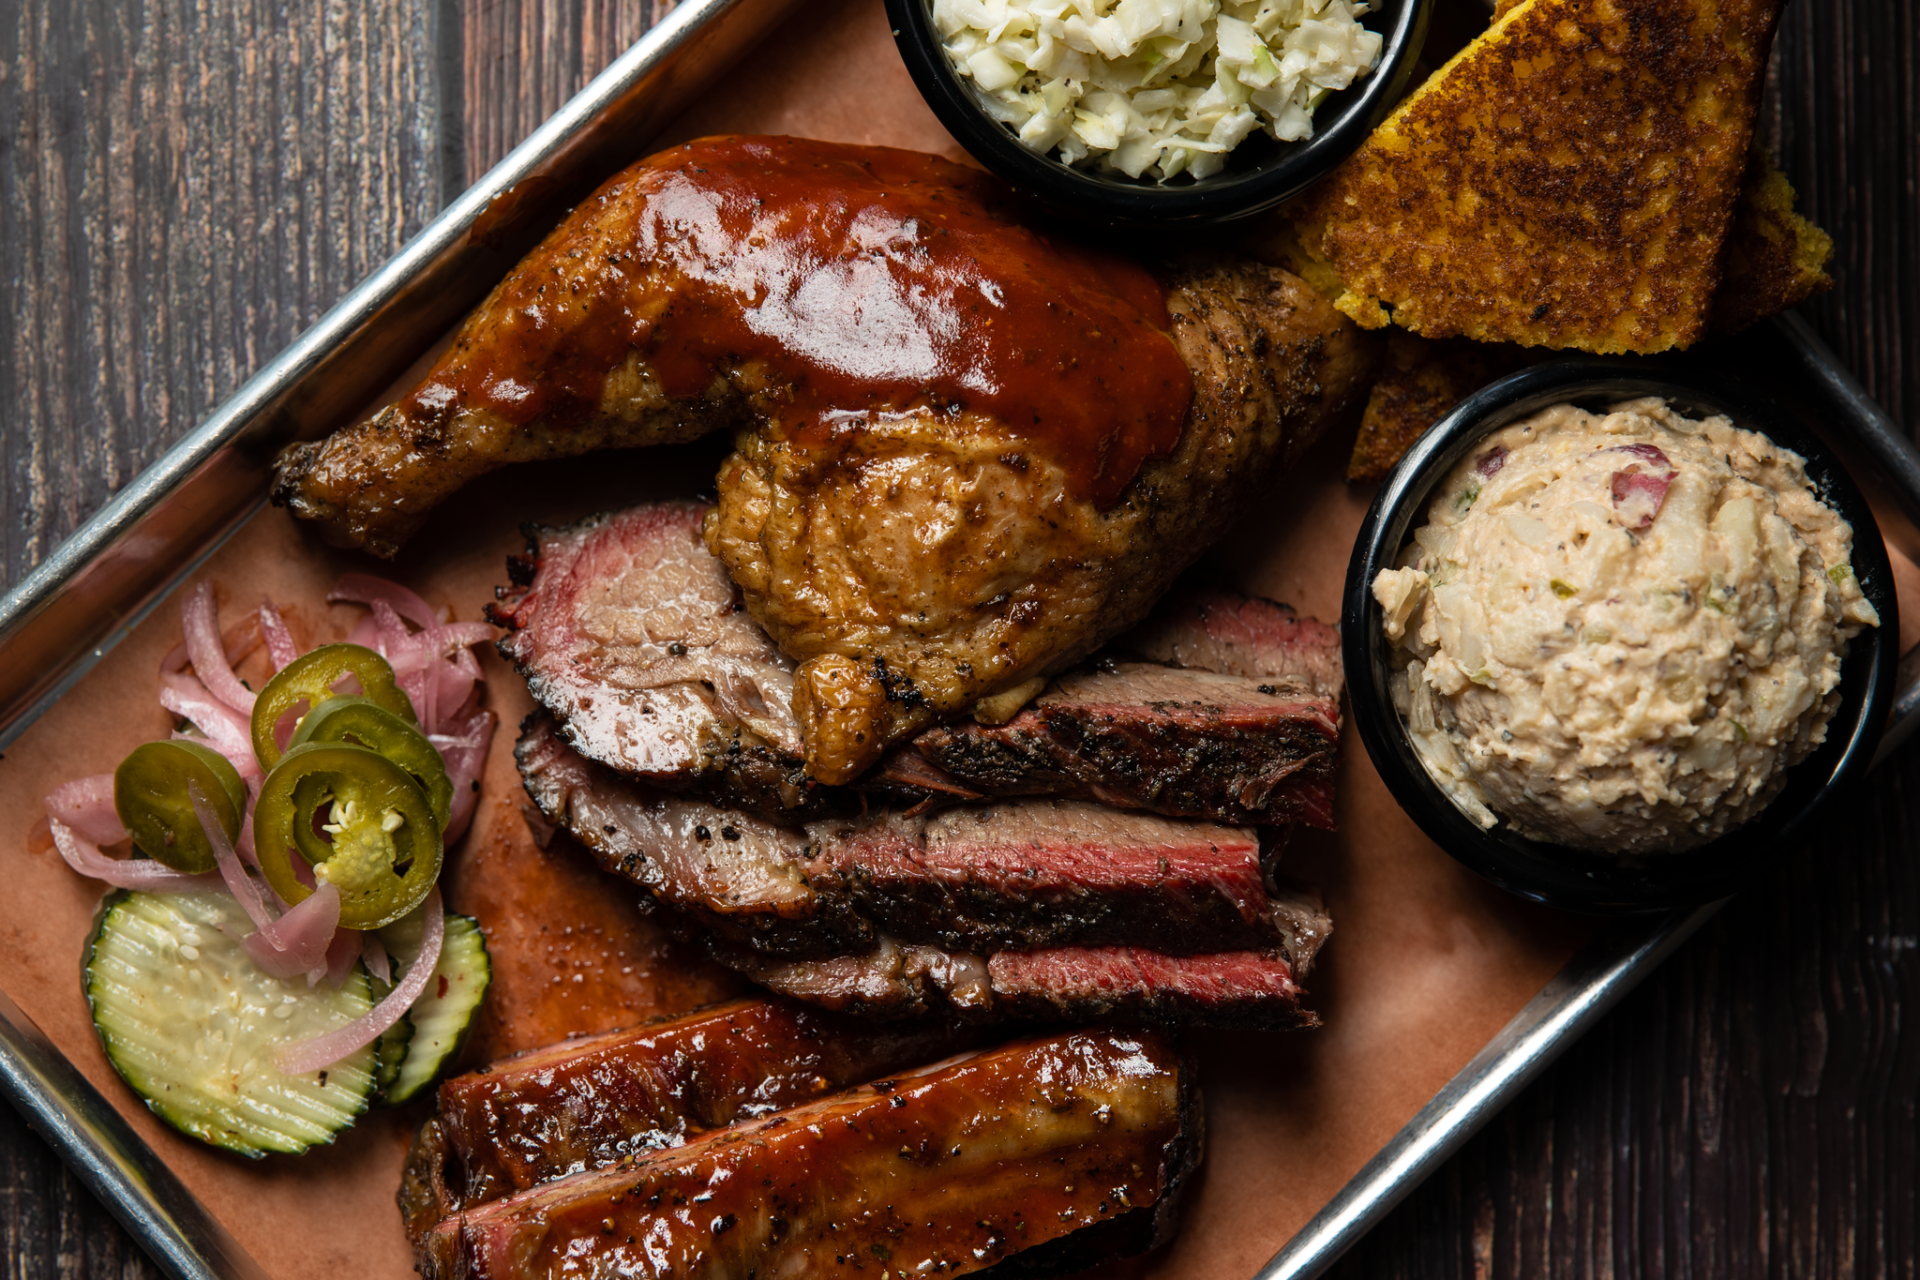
(185, 186)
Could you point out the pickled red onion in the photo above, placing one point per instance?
(342, 954)
(361, 588)
(86, 806)
(226, 730)
(465, 755)
(207, 651)
(239, 884)
(298, 942)
(238, 641)
(323, 1051)
(125, 873)
(280, 646)
(374, 952)
(435, 664)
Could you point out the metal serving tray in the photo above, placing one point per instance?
(88, 595)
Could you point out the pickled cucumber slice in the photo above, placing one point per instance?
(444, 1012)
(191, 1024)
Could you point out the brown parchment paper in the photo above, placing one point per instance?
(1426, 962)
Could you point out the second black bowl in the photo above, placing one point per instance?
(1260, 174)
(1577, 879)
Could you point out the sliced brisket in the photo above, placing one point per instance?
(1132, 735)
(630, 633)
(1247, 989)
(628, 630)
(1207, 629)
(1012, 875)
(1034, 873)
(737, 875)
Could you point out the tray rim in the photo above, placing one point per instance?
(187, 1243)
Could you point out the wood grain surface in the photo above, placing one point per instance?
(186, 184)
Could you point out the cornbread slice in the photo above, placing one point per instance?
(1566, 180)
(1774, 258)
(1420, 380)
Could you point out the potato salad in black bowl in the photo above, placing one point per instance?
(1618, 634)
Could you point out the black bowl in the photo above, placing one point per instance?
(1260, 174)
(1577, 879)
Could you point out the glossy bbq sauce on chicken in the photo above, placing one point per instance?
(863, 279)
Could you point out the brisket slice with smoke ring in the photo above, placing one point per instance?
(1238, 722)
(628, 630)
(1012, 875)
(1138, 736)
(737, 875)
(1244, 990)
(898, 1170)
(1032, 873)
(1207, 629)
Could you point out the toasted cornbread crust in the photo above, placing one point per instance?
(1774, 258)
(1419, 382)
(1566, 180)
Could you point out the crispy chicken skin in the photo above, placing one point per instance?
(932, 562)
(372, 484)
(910, 539)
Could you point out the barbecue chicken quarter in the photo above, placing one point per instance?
(966, 454)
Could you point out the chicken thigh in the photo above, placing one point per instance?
(930, 563)
(966, 453)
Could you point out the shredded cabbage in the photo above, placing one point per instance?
(1155, 87)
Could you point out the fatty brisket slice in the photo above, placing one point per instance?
(1246, 990)
(628, 631)
(1013, 909)
(1010, 874)
(1133, 735)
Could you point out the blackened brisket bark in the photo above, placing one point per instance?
(894, 1175)
(1017, 910)
(1235, 716)
(1022, 874)
(628, 631)
(737, 875)
(589, 1103)
(671, 757)
(1012, 875)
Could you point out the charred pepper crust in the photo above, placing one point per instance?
(979, 918)
(521, 570)
(1176, 773)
